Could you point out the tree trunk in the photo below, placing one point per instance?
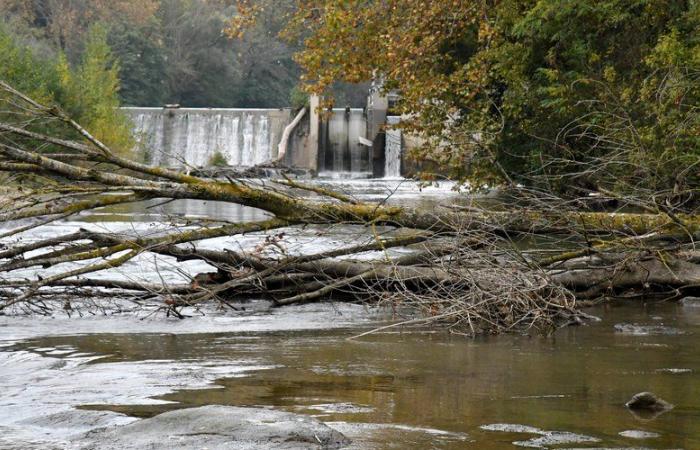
(469, 268)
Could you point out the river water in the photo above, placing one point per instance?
(399, 389)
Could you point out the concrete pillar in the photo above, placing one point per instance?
(311, 160)
(377, 106)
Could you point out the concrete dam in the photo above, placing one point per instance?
(192, 137)
(342, 143)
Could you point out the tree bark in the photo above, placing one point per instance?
(467, 267)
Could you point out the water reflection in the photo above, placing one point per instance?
(430, 390)
(177, 210)
(396, 192)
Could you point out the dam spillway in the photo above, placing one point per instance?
(340, 150)
(392, 148)
(192, 137)
(242, 137)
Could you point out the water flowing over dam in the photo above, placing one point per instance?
(340, 152)
(192, 137)
(236, 137)
(393, 146)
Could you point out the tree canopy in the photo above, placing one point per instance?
(571, 96)
(169, 51)
(88, 90)
(577, 95)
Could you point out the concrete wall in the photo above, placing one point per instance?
(180, 137)
(191, 137)
(302, 151)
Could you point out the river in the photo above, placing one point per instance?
(398, 389)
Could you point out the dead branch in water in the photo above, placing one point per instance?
(474, 270)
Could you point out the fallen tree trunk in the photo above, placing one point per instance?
(470, 268)
(614, 274)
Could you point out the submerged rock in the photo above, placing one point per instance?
(674, 370)
(649, 402)
(512, 428)
(691, 302)
(556, 438)
(639, 434)
(546, 438)
(646, 330)
(218, 427)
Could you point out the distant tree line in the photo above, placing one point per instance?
(86, 90)
(166, 51)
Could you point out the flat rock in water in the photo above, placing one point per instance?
(639, 434)
(556, 438)
(646, 330)
(512, 428)
(216, 428)
(691, 302)
(78, 421)
(648, 401)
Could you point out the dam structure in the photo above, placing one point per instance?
(341, 152)
(393, 147)
(340, 143)
(195, 137)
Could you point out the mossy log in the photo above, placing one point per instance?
(466, 266)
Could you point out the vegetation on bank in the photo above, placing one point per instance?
(87, 91)
(174, 51)
(571, 96)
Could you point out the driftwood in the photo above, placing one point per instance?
(469, 268)
(284, 141)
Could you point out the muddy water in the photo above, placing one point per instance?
(421, 389)
(62, 376)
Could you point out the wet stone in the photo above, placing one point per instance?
(545, 439)
(341, 408)
(216, 428)
(512, 428)
(639, 434)
(78, 421)
(556, 438)
(674, 370)
(646, 330)
(691, 302)
(648, 401)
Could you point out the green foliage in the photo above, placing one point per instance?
(90, 93)
(22, 69)
(217, 160)
(573, 95)
(298, 98)
(142, 65)
(599, 94)
(174, 51)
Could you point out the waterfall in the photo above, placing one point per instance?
(190, 137)
(392, 149)
(148, 131)
(341, 155)
(262, 142)
(247, 155)
(228, 133)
